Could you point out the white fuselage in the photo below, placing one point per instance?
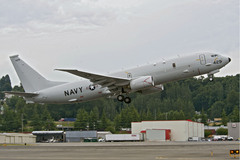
(162, 72)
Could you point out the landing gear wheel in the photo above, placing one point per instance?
(120, 98)
(210, 78)
(127, 100)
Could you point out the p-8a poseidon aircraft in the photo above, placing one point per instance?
(145, 79)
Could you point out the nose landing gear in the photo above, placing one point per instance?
(125, 99)
(210, 77)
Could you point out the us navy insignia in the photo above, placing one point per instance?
(92, 87)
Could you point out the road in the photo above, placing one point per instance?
(120, 150)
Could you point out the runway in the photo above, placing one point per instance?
(120, 150)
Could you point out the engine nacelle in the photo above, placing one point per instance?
(141, 83)
(153, 89)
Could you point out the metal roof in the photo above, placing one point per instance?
(81, 134)
(17, 134)
(47, 132)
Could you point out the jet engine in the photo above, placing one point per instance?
(152, 89)
(141, 83)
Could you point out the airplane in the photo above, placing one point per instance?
(145, 79)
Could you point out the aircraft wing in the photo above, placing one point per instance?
(105, 81)
(22, 94)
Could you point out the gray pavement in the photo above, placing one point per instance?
(120, 150)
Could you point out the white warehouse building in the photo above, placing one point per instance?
(16, 138)
(179, 130)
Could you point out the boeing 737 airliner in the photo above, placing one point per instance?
(145, 79)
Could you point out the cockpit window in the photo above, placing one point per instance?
(214, 55)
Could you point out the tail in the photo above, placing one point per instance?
(31, 80)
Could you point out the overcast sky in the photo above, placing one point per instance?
(103, 36)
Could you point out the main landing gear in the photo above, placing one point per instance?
(125, 99)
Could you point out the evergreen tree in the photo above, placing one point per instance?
(18, 88)
(175, 115)
(133, 114)
(143, 115)
(128, 115)
(170, 115)
(179, 100)
(11, 102)
(181, 115)
(235, 114)
(93, 121)
(10, 120)
(47, 121)
(36, 122)
(20, 104)
(160, 115)
(104, 121)
(150, 116)
(5, 85)
(224, 118)
(124, 121)
(188, 110)
(117, 123)
(232, 100)
(203, 117)
(196, 118)
(82, 120)
(216, 110)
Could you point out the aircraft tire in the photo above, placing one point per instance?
(120, 98)
(127, 100)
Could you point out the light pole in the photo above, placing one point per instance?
(22, 122)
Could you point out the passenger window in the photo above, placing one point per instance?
(174, 65)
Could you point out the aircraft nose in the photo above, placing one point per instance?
(229, 59)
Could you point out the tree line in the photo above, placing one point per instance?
(178, 101)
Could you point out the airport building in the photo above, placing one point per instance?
(175, 130)
(233, 130)
(81, 136)
(49, 136)
(16, 138)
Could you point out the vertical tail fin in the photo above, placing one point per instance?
(31, 80)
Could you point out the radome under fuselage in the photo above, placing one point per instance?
(162, 72)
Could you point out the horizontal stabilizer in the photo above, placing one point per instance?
(22, 94)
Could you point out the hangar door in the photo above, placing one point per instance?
(158, 134)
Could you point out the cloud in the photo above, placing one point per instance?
(17, 16)
(117, 33)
